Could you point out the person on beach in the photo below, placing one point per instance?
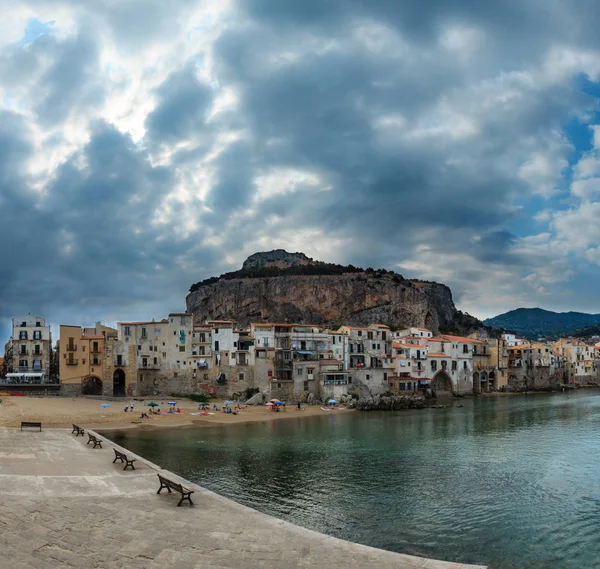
(131, 406)
(298, 405)
(126, 408)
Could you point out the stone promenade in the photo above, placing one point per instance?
(63, 504)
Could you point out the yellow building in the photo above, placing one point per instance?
(82, 363)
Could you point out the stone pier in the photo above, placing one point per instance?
(64, 504)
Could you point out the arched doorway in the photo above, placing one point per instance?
(119, 383)
(484, 381)
(442, 382)
(492, 380)
(91, 386)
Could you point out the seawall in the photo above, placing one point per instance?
(66, 504)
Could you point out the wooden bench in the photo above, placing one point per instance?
(170, 485)
(93, 439)
(34, 424)
(124, 459)
(77, 430)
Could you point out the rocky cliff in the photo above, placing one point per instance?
(274, 287)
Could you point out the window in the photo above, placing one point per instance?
(368, 377)
(23, 335)
(299, 371)
(374, 346)
(139, 347)
(144, 362)
(37, 335)
(182, 321)
(384, 376)
(369, 335)
(433, 365)
(216, 345)
(143, 332)
(464, 365)
(454, 365)
(127, 330)
(119, 360)
(182, 348)
(155, 361)
(241, 376)
(23, 324)
(309, 372)
(216, 330)
(37, 350)
(360, 332)
(37, 364)
(235, 344)
(384, 336)
(465, 349)
(306, 386)
(38, 324)
(157, 332)
(164, 354)
(83, 348)
(23, 349)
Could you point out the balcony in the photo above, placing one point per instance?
(71, 348)
(95, 351)
(24, 353)
(72, 362)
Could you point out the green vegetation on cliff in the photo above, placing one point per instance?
(297, 270)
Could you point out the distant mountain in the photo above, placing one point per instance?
(536, 322)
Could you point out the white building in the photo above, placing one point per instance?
(413, 332)
(32, 346)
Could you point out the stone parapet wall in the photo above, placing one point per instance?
(70, 389)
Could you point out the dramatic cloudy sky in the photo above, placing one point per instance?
(146, 144)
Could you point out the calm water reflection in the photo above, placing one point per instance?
(512, 482)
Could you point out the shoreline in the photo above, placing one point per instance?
(62, 413)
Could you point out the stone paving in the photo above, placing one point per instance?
(64, 504)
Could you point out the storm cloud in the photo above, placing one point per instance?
(146, 146)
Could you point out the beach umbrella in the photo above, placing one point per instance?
(172, 402)
(152, 404)
(278, 402)
(104, 404)
(331, 401)
(228, 402)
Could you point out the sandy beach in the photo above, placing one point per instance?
(88, 413)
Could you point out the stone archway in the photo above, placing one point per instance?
(91, 386)
(484, 381)
(119, 383)
(441, 382)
